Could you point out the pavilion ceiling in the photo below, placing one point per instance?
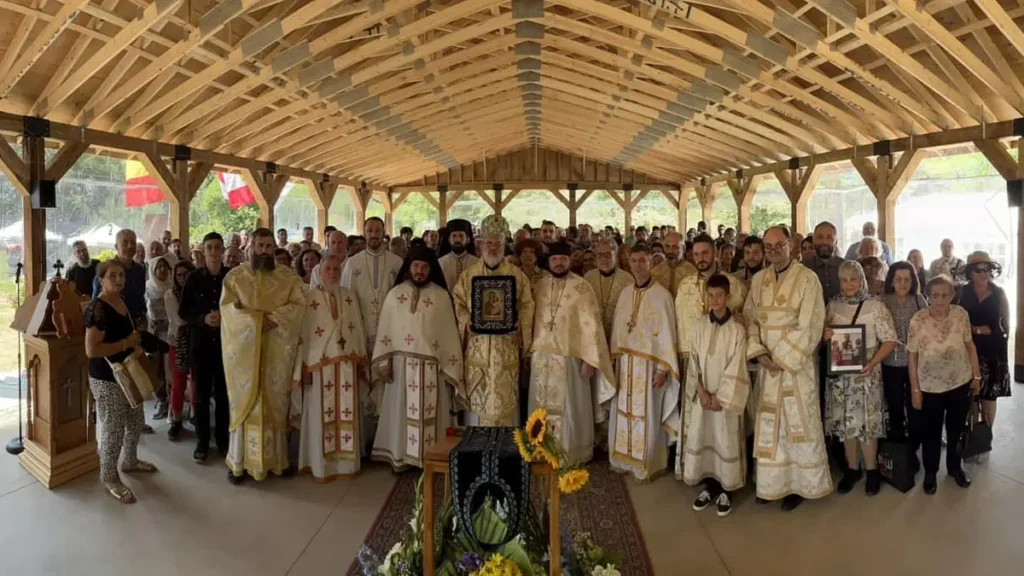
(388, 91)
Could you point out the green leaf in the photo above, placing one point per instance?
(514, 551)
(489, 527)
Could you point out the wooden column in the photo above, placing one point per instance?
(743, 189)
(179, 183)
(360, 200)
(389, 211)
(1013, 171)
(682, 204)
(33, 178)
(627, 210)
(706, 197)
(267, 186)
(798, 183)
(442, 206)
(572, 205)
(886, 177)
(498, 202)
(322, 192)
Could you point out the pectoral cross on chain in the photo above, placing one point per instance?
(58, 266)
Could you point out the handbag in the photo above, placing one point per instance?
(977, 435)
(894, 465)
(135, 376)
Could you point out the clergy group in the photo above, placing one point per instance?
(378, 356)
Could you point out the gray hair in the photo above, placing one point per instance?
(614, 246)
(868, 241)
(78, 243)
(852, 269)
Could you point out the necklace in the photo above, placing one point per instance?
(556, 303)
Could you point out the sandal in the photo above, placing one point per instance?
(121, 492)
(139, 466)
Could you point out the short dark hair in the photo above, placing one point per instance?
(640, 247)
(718, 281)
(656, 245)
(371, 219)
(704, 239)
(807, 240)
(702, 225)
(640, 229)
(753, 240)
(826, 223)
(211, 236)
(262, 233)
(890, 277)
(285, 253)
(307, 228)
(404, 230)
(548, 223)
(298, 261)
(282, 230)
(328, 230)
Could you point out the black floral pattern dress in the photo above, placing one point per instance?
(993, 358)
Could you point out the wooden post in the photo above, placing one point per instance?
(498, 203)
(32, 177)
(442, 206)
(179, 184)
(743, 189)
(360, 201)
(572, 204)
(798, 183)
(706, 198)
(1012, 170)
(886, 178)
(684, 201)
(322, 192)
(267, 186)
(627, 210)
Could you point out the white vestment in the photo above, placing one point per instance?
(328, 383)
(643, 419)
(452, 266)
(785, 318)
(418, 337)
(713, 444)
(567, 332)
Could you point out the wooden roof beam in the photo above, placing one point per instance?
(41, 41)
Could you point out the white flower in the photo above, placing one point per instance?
(608, 570)
(386, 568)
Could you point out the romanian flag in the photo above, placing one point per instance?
(140, 189)
(235, 191)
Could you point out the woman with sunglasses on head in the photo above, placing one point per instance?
(989, 310)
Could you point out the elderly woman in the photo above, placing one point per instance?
(158, 282)
(198, 260)
(944, 375)
(178, 360)
(528, 252)
(989, 311)
(294, 250)
(797, 247)
(903, 299)
(853, 401)
(110, 336)
(875, 271)
(869, 248)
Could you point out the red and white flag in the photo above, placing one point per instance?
(235, 191)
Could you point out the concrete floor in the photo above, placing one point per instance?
(189, 520)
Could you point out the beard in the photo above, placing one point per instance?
(824, 251)
(704, 266)
(493, 260)
(421, 282)
(264, 262)
(459, 249)
(561, 274)
(84, 261)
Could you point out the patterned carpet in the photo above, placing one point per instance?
(603, 509)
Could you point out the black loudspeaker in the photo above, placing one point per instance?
(1015, 193)
(44, 194)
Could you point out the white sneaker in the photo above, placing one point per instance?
(703, 500)
(724, 505)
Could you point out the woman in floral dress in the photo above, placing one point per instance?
(853, 404)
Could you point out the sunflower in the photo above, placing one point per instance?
(573, 480)
(548, 456)
(525, 450)
(536, 426)
(497, 565)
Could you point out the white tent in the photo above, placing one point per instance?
(16, 231)
(99, 236)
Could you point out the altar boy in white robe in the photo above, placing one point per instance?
(418, 356)
(329, 379)
(645, 411)
(717, 386)
(571, 374)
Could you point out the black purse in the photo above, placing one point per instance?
(976, 438)
(894, 464)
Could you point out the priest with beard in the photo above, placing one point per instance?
(691, 300)
(329, 378)
(418, 357)
(670, 272)
(645, 410)
(608, 281)
(492, 353)
(571, 373)
(261, 308)
(460, 240)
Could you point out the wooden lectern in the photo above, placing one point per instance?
(60, 443)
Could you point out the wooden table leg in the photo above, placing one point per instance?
(553, 524)
(428, 519)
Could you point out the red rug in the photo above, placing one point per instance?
(604, 509)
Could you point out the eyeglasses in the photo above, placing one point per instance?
(982, 270)
(775, 247)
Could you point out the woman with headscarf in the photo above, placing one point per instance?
(989, 311)
(158, 282)
(853, 401)
(178, 339)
